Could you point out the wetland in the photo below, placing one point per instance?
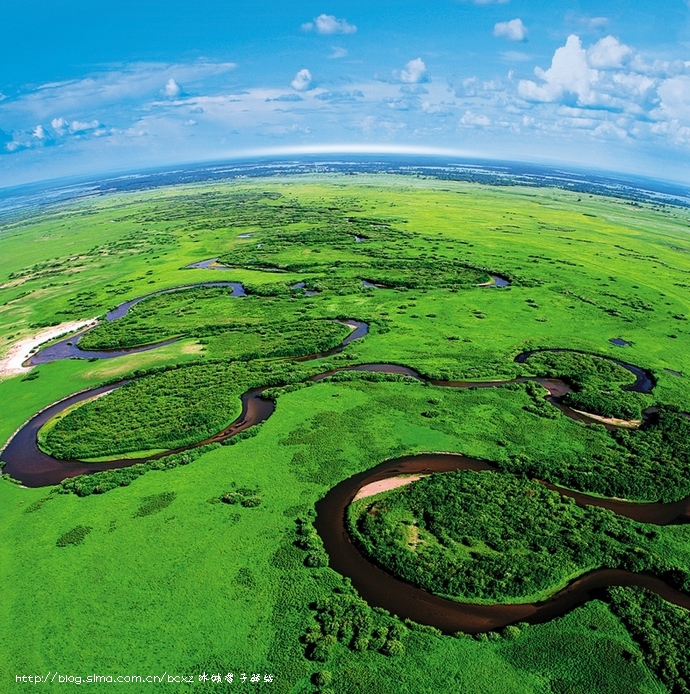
(341, 332)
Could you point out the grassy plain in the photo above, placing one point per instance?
(219, 587)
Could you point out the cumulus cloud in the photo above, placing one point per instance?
(514, 30)
(400, 103)
(59, 125)
(40, 136)
(440, 109)
(414, 72)
(172, 88)
(608, 53)
(302, 80)
(674, 94)
(608, 75)
(569, 76)
(472, 87)
(329, 24)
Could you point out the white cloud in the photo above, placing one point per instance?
(440, 109)
(675, 99)
(39, 137)
(172, 88)
(76, 126)
(607, 130)
(329, 24)
(59, 125)
(302, 80)
(340, 97)
(608, 75)
(474, 119)
(514, 30)
(414, 72)
(608, 53)
(400, 103)
(415, 89)
(569, 74)
(285, 97)
(338, 52)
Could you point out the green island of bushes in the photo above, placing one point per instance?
(495, 537)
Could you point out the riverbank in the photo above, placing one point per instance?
(12, 363)
(386, 485)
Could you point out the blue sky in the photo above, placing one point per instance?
(90, 87)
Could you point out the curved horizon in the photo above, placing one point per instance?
(290, 155)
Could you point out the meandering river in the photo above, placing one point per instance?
(27, 463)
(68, 347)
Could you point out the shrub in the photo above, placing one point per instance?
(392, 647)
(322, 678)
(154, 504)
(75, 536)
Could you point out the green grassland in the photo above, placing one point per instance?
(161, 574)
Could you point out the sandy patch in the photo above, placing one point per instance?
(386, 485)
(13, 283)
(11, 363)
(625, 423)
(193, 348)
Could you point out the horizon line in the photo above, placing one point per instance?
(351, 149)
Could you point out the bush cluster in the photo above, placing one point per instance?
(308, 540)
(75, 536)
(244, 496)
(661, 629)
(347, 619)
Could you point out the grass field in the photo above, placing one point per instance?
(162, 575)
